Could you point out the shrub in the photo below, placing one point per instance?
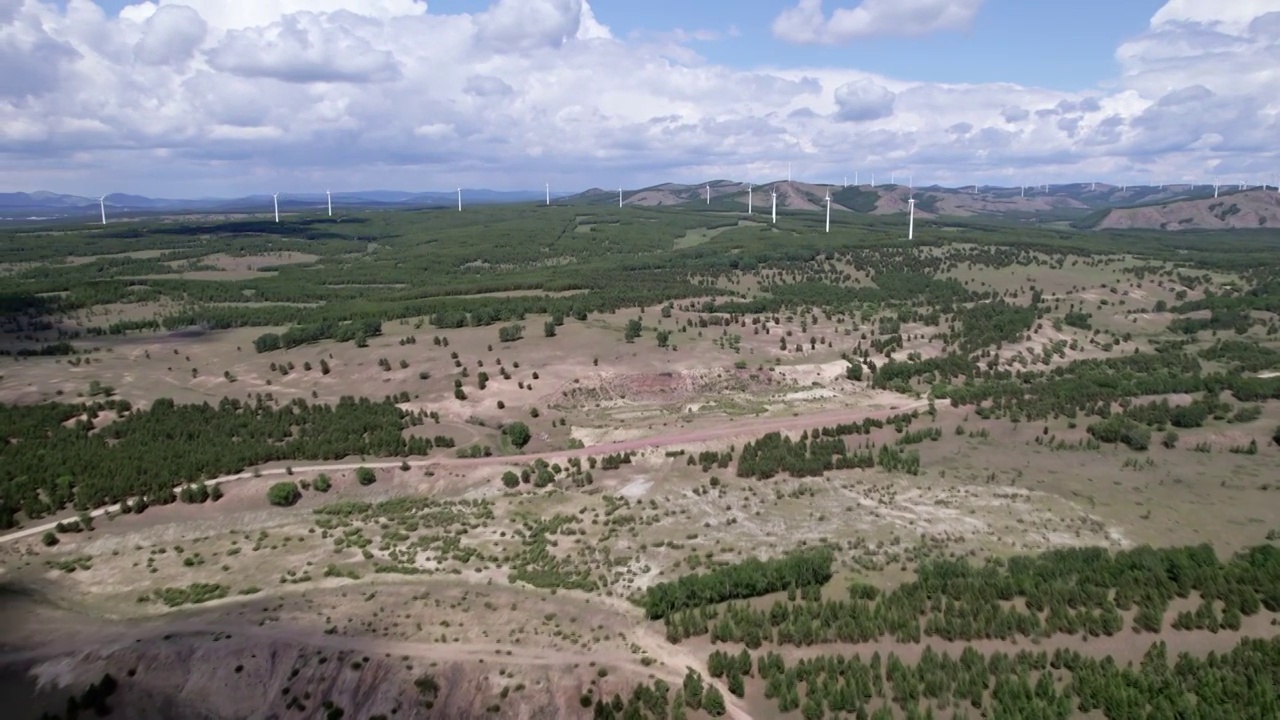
(365, 476)
(322, 483)
(50, 538)
(509, 479)
(284, 494)
(518, 433)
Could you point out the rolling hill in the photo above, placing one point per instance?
(1240, 210)
(1079, 202)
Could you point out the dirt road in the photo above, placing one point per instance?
(731, 429)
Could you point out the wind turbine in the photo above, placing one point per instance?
(102, 205)
(548, 194)
(459, 199)
(893, 178)
(775, 206)
(828, 211)
(788, 172)
(329, 198)
(911, 218)
(855, 178)
(708, 194)
(619, 197)
(750, 190)
(1215, 188)
(275, 200)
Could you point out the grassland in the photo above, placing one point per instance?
(504, 427)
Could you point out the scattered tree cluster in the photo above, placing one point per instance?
(746, 579)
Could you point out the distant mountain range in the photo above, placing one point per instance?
(1080, 205)
(48, 205)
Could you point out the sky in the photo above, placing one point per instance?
(196, 98)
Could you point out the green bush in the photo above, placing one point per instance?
(518, 433)
(366, 476)
(322, 483)
(284, 494)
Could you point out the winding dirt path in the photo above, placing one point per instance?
(733, 428)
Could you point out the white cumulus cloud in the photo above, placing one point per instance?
(863, 100)
(234, 96)
(304, 47)
(171, 35)
(807, 22)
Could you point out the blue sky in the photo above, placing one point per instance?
(1059, 44)
(222, 96)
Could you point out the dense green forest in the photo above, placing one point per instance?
(747, 579)
(59, 456)
(1241, 684)
(1074, 591)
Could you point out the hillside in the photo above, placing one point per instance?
(1248, 209)
(1040, 204)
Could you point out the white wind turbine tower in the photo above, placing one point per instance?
(828, 211)
(275, 200)
(459, 199)
(788, 172)
(329, 199)
(750, 191)
(708, 194)
(775, 206)
(911, 218)
(102, 205)
(855, 178)
(548, 194)
(1215, 188)
(619, 197)
(893, 178)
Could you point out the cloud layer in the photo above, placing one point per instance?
(222, 96)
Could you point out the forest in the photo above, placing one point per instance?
(1073, 591)
(747, 579)
(1243, 684)
(53, 460)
